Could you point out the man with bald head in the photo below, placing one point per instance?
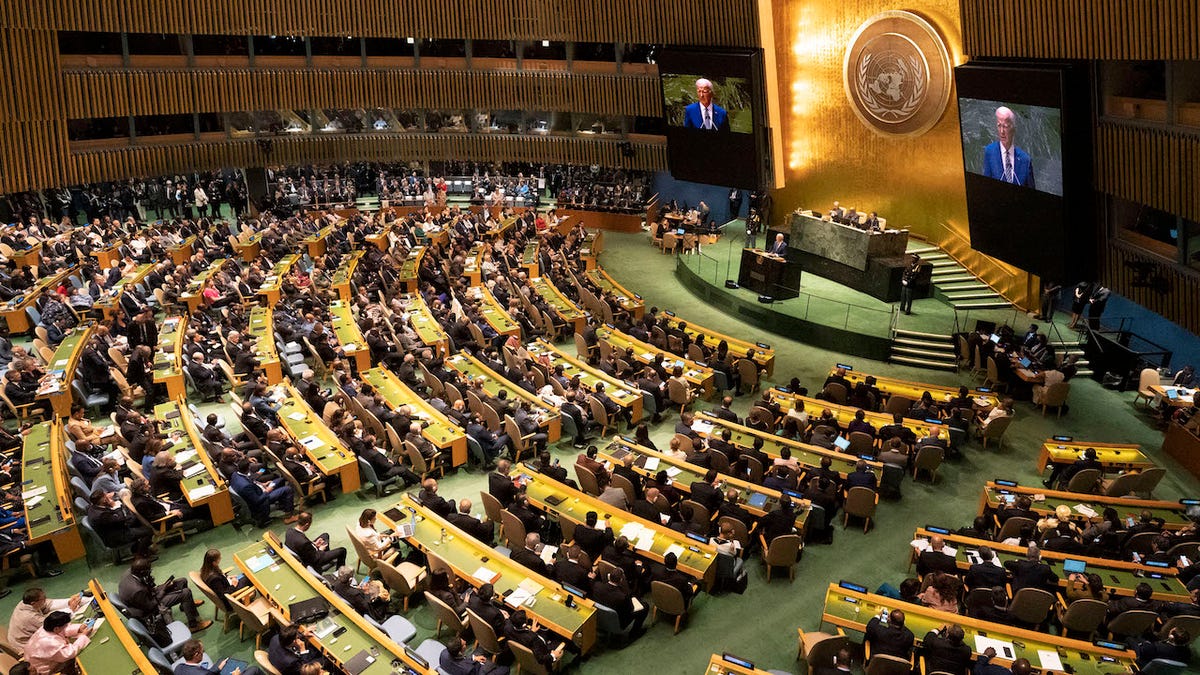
(704, 114)
(1002, 159)
(935, 558)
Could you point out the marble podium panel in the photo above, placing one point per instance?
(842, 243)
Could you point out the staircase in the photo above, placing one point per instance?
(924, 350)
(1072, 345)
(955, 285)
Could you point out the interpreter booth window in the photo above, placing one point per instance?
(443, 48)
(97, 128)
(164, 125)
(605, 52)
(339, 121)
(73, 42)
(1185, 80)
(278, 45)
(1148, 228)
(588, 124)
(493, 49)
(1191, 248)
(220, 45)
(638, 53)
(269, 123)
(336, 46)
(391, 47)
(447, 121)
(157, 44)
(211, 123)
(1135, 90)
(545, 50)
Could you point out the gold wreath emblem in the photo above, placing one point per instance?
(910, 70)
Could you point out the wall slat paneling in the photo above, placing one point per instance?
(1149, 166)
(1082, 29)
(728, 23)
(109, 164)
(1172, 290)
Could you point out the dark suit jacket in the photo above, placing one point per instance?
(886, 639)
(1029, 574)
(706, 494)
(615, 599)
(302, 546)
(501, 487)
(986, 575)
(940, 655)
(935, 561)
(593, 541)
(530, 560)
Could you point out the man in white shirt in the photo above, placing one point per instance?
(28, 615)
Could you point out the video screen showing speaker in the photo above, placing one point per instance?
(712, 108)
(1019, 154)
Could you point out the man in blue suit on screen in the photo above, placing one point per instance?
(704, 114)
(1002, 159)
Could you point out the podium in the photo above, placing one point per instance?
(769, 275)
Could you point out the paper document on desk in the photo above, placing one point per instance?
(183, 457)
(298, 416)
(311, 442)
(1085, 511)
(195, 470)
(631, 530)
(518, 597)
(645, 541)
(37, 491)
(260, 562)
(486, 576)
(674, 548)
(349, 346)
(952, 552)
(920, 544)
(1003, 649)
(702, 427)
(1050, 660)
(108, 431)
(547, 554)
(674, 471)
(530, 586)
(203, 491)
(30, 503)
(651, 464)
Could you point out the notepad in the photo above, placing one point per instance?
(350, 346)
(311, 442)
(702, 427)
(298, 416)
(674, 471)
(518, 597)
(547, 554)
(30, 503)
(194, 470)
(486, 576)
(530, 586)
(183, 457)
(29, 494)
(1050, 660)
(260, 562)
(1085, 510)
(1003, 649)
(651, 464)
(674, 548)
(645, 542)
(203, 491)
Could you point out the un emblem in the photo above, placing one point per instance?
(897, 74)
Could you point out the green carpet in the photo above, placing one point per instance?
(761, 624)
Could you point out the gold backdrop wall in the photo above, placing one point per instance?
(829, 154)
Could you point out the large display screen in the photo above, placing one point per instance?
(712, 108)
(1024, 161)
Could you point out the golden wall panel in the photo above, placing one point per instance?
(1172, 290)
(1150, 166)
(108, 164)
(704, 22)
(829, 154)
(1082, 29)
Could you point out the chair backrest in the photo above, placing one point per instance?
(1188, 622)
(1141, 543)
(700, 515)
(1132, 622)
(782, 550)
(1149, 480)
(444, 613)
(368, 471)
(740, 532)
(587, 480)
(667, 599)
(861, 443)
(821, 653)
(997, 427)
(1123, 485)
(1031, 605)
(622, 482)
(1163, 667)
(1084, 615)
(364, 555)
(1147, 377)
(748, 371)
(393, 578)
(860, 501)
(514, 529)
(526, 660)
(835, 392)
(1085, 480)
(194, 577)
(264, 662)
(599, 414)
(685, 442)
(1056, 394)
(677, 392)
(1013, 526)
(886, 664)
(928, 458)
(484, 633)
(491, 506)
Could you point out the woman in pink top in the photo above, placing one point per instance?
(50, 648)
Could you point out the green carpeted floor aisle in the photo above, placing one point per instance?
(761, 624)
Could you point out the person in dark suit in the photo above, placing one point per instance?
(500, 485)
(705, 492)
(722, 411)
(935, 559)
(289, 650)
(1063, 474)
(456, 660)
(779, 522)
(150, 602)
(945, 651)
(1175, 648)
(314, 553)
(1143, 599)
(193, 662)
(590, 538)
(1021, 508)
(572, 567)
(841, 665)
(1032, 572)
(668, 574)
(430, 499)
(529, 557)
(862, 477)
(995, 611)
(704, 114)
(1002, 159)
(463, 520)
(986, 573)
(519, 630)
(614, 592)
(984, 665)
(778, 247)
(116, 525)
(890, 638)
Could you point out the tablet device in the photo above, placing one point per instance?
(841, 443)
(1074, 566)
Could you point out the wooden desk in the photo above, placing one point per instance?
(194, 295)
(466, 555)
(891, 386)
(113, 648)
(56, 387)
(697, 560)
(321, 445)
(630, 302)
(443, 433)
(853, 610)
(700, 377)
(28, 257)
(105, 256)
(529, 258)
(348, 334)
(684, 474)
(285, 582)
(109, 305)
(503, 227)
(496, 316)
(1183, 395)
(344, 276)
(591, 247)
(470, 368)
(621, 393)
(206, 488)
(250, 247)
(410, 270)
(272, 287)
(316, 241)
(720, 664)
(183, 252)
(1114, 456)
(1184, 446)
(1120, 577)
(43, 466)
(472, 265)
(764, 356)
(1171, 512)
(426, 327)
(845, 413)
(567, 311)
(168, 359)
(13, 311)
(806, 455)
(261, 331)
